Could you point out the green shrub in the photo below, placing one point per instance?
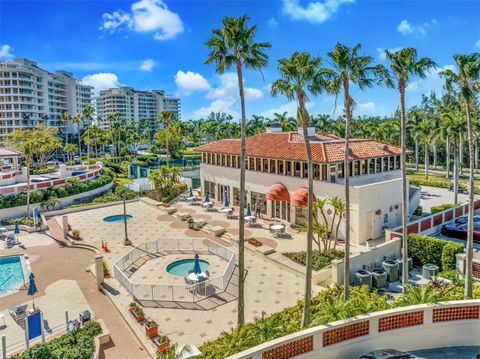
(320, 260)
(442, 207)
(78, 345)
(41, 171)
(424, 249)
(432, 182)
(28, 221)
(448, 255)
(418, 211)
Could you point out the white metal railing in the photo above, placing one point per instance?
(181, 292)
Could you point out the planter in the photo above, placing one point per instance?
(106, 273)
(254, 242)
(162, 343)
(139, 317)
(151, 331)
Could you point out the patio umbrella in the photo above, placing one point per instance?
(226, 203)
(196, 265)
(249, 210)
(190, 193)
(207, 199)
(16, 231)
(32, 288)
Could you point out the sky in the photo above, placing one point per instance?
(155, 44)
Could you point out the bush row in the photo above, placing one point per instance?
(441, 207)
(424, 249)
(27, 221)
(78, 345)
(320, 260)
(72, 187)
(117, 195)
(432, 182)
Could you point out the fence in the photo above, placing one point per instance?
(175, 292)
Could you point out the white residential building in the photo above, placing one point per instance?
(30, 95)
(277, 178)
(134, 105)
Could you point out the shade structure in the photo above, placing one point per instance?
(190, 192)
(249, 209)
(299, 198)
(278, 192)
(196, 265)
(207, 197)
(226, 203)
(17, 228)
(32, 288)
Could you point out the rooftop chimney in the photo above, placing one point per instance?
(273, 128)
(310, 131)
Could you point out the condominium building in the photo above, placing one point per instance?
(277, 178)
(30, 95)
(134, 105)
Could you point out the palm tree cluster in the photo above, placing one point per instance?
(302, 77)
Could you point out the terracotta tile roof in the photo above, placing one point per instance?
(290, 146)
(8, 152)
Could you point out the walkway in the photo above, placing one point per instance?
(56, 262)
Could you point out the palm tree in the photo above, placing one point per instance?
(403, 65)
(166, 118)
(87, 116)
(467, 80)
(301, 74)
(234, 45)
(349, 67)
(77, 120)
(65, 118)
(70, 149)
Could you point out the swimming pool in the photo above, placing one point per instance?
(11, 273)
(183, 266)
(117, 218)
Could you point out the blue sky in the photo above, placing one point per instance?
(154, 44)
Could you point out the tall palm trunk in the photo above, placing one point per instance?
(471, 201)
(460, 153)
(79, 144)
(417, 152)
(447, 148)
(456, 171)
(426, 161)
(88, 145)
(28, 188)
(348, 116)
(309, 265)
(403, 145)
(241, 234)
(435, 155)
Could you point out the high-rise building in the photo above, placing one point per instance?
(134, 105)
(30, 95)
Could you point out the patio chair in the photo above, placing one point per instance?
(19, 313)
(10, 242)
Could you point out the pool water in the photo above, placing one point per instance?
(11, 273)
(182, 267)
(117, 218)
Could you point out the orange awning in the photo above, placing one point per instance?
(299, 198)
(278, 192)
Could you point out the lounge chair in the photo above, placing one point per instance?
(19, 313)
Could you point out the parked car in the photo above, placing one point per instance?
(464, 220)
(388, 354)
(39, 179)
(459, 230)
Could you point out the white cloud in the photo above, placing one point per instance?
(102, 81)
(407, 28)
(229, 88)
(146, 16)
(147, 65)
(477, 44)
(381, 52)
(315, 12)
(5, 52)
(367, 108)
(188, 82)
(221, 105)
(290, 108)
(432, 82)
(272, 22)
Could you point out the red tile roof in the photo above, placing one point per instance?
(290, 146)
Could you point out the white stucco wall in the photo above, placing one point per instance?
(366, 197)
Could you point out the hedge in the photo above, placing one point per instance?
(72, 187)
(320, 260)
(78, 345)
(432, 182)
(424, 249)
(441, 207)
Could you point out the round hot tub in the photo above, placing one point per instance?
(182, 267)
(117, 218)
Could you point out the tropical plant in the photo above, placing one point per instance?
(403, 65)
(302, 74)
(467, 80)
(234, 45)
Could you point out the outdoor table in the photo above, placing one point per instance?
(191, 199)
(226, 210)
(207, 205)
(194, 277)
(277, 229)
(3, 229)
(250, 219)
